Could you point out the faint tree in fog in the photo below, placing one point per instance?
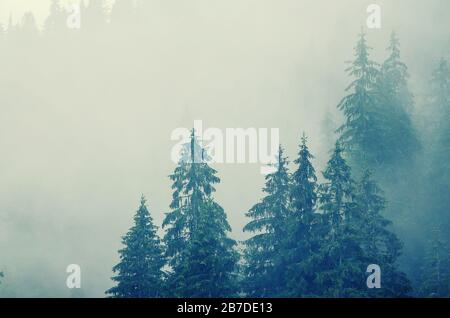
(56, 22)
(378, 128)
(397, 102)
(435, 280)
(439, 187)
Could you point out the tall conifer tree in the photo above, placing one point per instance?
(303, 225)
(360, 133)
(341, 273)
(140, 271)
(265, 261)
(201, 255)
(396, 103)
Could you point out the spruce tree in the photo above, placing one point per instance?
(265, 261)
(378, 128)
(440, 90)
(27, 32)
(357, 235)
(303, 226)
(202, 257)
(396, 102)
(398, 149)
(140, 271)
(341, 272)
(394, 76)
(360, 133)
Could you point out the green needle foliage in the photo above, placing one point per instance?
(139, 273)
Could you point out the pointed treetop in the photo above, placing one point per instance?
(304, 155)
(338, 147)
(143, 200)
(361, 49)
(280, 151)
(304, 139)
(394, 45)
(193, 145)
(282, 161)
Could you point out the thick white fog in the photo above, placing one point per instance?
(80, 141)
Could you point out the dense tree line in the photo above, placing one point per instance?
(309, 239)
(378, 128)
(378, 134)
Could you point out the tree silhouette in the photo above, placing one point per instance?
(265, 250)
(139, 273)
(201, 255)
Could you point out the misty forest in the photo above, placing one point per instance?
(370, 186)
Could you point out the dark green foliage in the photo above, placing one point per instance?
(264, 252)
(357, 236)
(201, 256)
(317, 241)
(139, 273)
(208, 262)
(304, 228)
(342, 272)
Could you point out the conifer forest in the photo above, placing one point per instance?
(225, 149)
